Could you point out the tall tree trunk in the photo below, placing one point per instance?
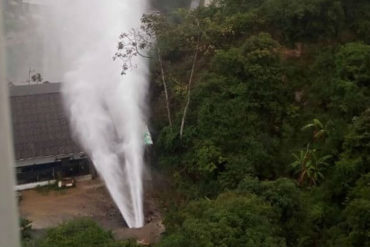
(189, 89)
(165, 87)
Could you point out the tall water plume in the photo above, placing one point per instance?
(107, 110)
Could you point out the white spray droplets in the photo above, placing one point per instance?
(105, 108)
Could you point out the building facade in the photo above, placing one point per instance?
(43, 144)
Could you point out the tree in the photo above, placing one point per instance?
(191, 78)
(353, 228)
(287, 200)
(37, 78)
(353, 62)
(354, 160)
(155, 30)
(304, 20)
(140, 43)
(244, 119)
(230, 220)
(188, 31)
(78, 233)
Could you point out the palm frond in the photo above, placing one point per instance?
(318, 123)
(308, 126)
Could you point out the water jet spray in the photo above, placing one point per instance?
(106, 109)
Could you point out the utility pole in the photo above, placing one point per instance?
(9, 228)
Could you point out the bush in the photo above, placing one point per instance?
(230, 220)
(79, 233)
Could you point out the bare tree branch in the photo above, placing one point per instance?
(165, 87)
(195, 58)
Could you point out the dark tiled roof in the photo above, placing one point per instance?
(40, 126)
(35, 89)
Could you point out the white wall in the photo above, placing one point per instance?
(9, 229)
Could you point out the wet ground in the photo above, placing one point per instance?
(88, 199)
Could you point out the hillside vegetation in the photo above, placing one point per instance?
(265, 130)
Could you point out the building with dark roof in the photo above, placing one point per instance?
(43, 144)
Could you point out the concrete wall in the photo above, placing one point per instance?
(45, 183)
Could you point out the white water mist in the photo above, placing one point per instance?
(106, 109)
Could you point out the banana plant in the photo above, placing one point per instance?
(319, 129)
(309, 166)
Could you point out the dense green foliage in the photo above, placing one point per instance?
(230, 220)
(276, 140)
(25, 227)
(78, 233)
